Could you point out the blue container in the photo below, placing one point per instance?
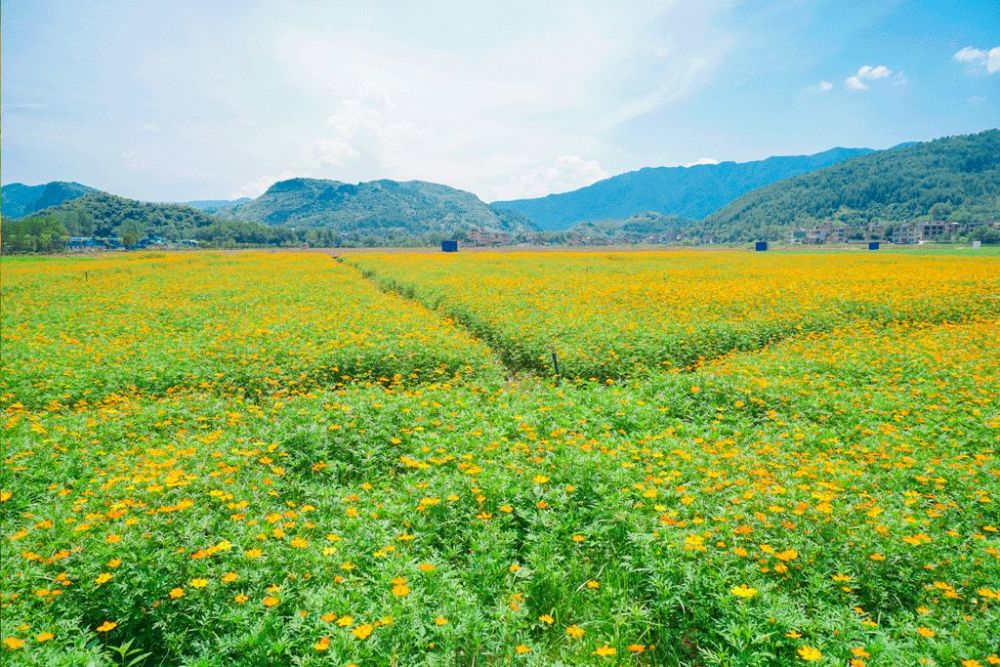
(873, 245)
(449, 246)
(760, 246)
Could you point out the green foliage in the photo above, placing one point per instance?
(105, 215)
(954, 178)
(378, 213)
(44, 233)
(687, 192)
(826, 497)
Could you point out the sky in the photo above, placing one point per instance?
(184, 99)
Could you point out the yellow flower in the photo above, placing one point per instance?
(426, 567)
(42, 637)
(13, 643)
(636, 648)
(345, 621)
(540, 479)
(925, 632)
(743, 591)
(328, 617)
(401, 590)
(440, 620)
(363, 631)
(229, 577)
(176, 593)
(322, 645)
(810, 654)
(575, 631)
(240, 598)
(605, 651)
(107, 626)
(787, 555)
(522, 649)
(199, 583)
(103, 578)
(271, 601)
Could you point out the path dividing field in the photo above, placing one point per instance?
(289, 466)
(613, 315)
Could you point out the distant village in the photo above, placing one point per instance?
(904, 233)
(826, 233)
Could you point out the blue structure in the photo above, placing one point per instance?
(873, 245)
(449, 246)
(760, 246)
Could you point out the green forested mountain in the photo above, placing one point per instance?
(101, 214)
(375, 213)
(954, 178)
(687, 192)
(18, 200)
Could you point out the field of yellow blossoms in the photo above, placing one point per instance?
(286, 459)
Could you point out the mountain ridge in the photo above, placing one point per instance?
(18, 200)
(954, 178)
(688, 192)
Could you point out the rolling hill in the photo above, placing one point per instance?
(953, 178)
(379, 212)
(687, 192)
(18, 200)
(103, 215)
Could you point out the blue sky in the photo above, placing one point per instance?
(184, 99)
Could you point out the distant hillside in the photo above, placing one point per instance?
(645, 227)
(376, 213)
(104, 215)
(214, 205)
(18, 200)
(687, 192)
(954, 178)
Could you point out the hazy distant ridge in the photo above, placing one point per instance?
(687, 192)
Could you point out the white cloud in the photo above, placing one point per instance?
(701, 160)
(824, 86)
(979, 60)
(566, 173)
(485, 111)
(868, 73)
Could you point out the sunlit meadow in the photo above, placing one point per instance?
(264, 458)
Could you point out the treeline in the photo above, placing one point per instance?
(36, 234)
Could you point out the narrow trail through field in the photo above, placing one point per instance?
(496, 350)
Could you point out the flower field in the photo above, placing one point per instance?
(263, 459)
(609, 315)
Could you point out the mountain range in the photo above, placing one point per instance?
(687, 192)
(18, 200)
(954, 178)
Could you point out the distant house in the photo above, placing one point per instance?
(825, 233)
(82, 243)
(905, 233)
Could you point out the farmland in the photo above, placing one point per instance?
(747, 459)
